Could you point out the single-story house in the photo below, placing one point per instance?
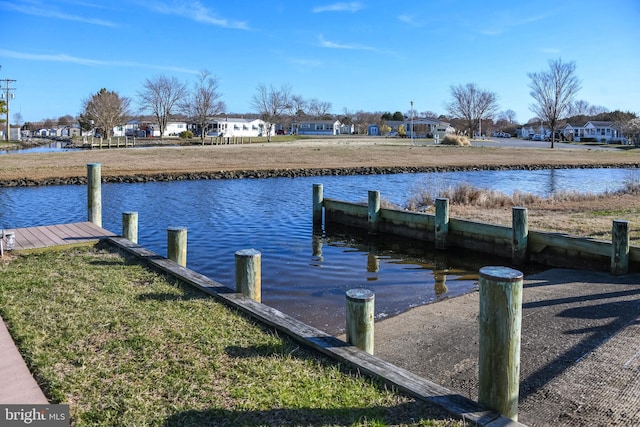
(422, 128)
(237, 126)
(318, 127)
(148, 128)
(601, 131)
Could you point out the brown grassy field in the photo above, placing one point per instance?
(585, 216)
(303, 154)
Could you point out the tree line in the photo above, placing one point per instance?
(469, 108)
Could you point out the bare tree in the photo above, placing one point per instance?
(271, 104)
(553, 92)
(17, 119)
(204, 102)
(428, 115)
(106, 110)
(471, 104)
(508, 116)
(318, 109)
(160, 96)
(297, 111)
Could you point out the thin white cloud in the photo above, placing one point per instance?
(505, 23)
(352, 7)
(195, 11)
(63, 57)
(48, 12)
(409, 19)
(550, 50)
(333, 45)
(305, 63)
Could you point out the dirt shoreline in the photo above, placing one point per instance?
(308, 157)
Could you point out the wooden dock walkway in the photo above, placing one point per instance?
(56, 235)
(17, 385)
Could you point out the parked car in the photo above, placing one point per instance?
(281, 132)
(537, 137)
(506, 135)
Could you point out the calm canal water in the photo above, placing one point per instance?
(304, 275)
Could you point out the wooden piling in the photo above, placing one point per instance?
(374, 211)
(317, 205)
(500, 319)
(130, 226)
(94, 193)
(360, 317)
(619, 247)
(249, 274)
(442, 223)
(520, 228)
(177, 245)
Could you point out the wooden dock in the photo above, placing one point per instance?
(55, 235)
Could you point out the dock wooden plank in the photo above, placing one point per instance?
(59, 234)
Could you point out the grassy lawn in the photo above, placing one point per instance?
(124, 345)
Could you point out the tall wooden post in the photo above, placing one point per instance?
(248, 273)
(619, 247)
(130, 226)
(360, 317)
(374, 211)
(177, 245)
(499, 356)
(94, 193)
(442, 223)
(520, 229)
(317, 206)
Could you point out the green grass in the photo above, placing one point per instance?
(124, 345)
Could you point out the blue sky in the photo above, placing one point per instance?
(358, 55)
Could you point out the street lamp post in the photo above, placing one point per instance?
(411, 122)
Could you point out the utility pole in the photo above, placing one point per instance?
(7, 95)
(411, 122)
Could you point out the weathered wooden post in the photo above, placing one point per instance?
(316, 245)
(440, 285)
(499, 356)
(360, 316)
(248, 273)
(442, 223)
(130, 226)
(317, 206)
(94, 193)
(374, 211)
(619, 247)
(520, 229)
(373, 263)
(177, 245)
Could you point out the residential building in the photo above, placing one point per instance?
(237, 126)
(318, 127)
